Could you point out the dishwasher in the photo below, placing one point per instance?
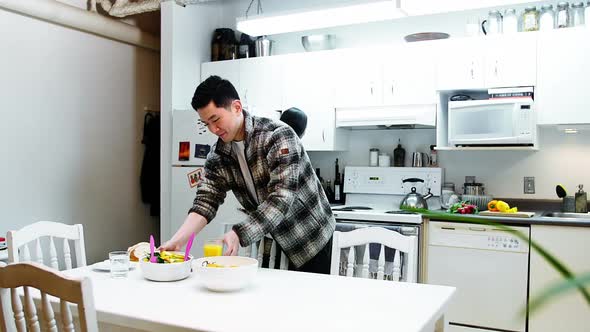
(488, 266)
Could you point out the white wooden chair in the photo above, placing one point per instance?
(364, 236)
(49, 282)
(257, 251)
(18, 243)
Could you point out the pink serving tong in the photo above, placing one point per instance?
(188, 246)
(152, 247)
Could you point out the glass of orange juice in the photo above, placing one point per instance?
(213, 247)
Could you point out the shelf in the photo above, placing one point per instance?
(487, 148)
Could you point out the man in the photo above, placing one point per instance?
(263, 162)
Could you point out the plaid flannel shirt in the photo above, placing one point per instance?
(293, 206)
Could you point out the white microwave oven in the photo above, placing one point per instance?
(492, 122)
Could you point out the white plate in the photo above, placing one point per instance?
(106, 266)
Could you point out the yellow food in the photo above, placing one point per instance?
(502, 206)
(219, 265)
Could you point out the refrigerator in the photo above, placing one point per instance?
(192, 141)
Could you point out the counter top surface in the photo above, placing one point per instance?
(537, 219)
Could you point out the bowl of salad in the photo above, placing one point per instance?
(226, 273)
(169, 266)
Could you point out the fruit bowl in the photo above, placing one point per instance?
(226, 273)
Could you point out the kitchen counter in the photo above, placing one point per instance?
(537, 219)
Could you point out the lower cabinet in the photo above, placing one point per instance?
(568, 312)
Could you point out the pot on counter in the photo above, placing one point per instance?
(473, 188)
(414, 199)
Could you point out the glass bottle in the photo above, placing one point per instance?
(563, 15)
(577, 14)
(547, 18)
(510, 21)
(530, 19)
(399, 155)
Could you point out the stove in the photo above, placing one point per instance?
(373, 194)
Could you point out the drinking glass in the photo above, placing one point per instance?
(119, 263)
(213, 247)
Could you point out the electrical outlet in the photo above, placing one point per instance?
(529, 184)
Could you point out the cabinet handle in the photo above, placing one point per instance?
(472, 74)
(371, 91)
(496, 69)
(392, 88)
(323, 135)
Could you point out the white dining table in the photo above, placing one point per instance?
(277, 300)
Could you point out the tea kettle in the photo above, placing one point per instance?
(414, 199)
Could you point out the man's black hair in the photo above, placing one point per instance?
(215, 89)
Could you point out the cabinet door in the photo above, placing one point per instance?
(307, 85)
(568, 312)
(409, 75)
(563, 70)
(461, 64)
(357, 79)
(260, 82)
(510, 60)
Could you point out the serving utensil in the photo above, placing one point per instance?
(188, 246)
(152, 247)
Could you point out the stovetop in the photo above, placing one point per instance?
(367, 213)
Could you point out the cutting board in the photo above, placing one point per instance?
(519, 214)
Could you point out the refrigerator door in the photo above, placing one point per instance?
(191, 140)
(184, 188)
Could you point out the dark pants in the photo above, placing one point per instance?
(320, 263)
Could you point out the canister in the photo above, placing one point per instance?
(373, 157)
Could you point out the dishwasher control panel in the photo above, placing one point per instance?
(462, 235)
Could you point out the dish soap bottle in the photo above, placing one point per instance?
(581, 200)
(399, 155)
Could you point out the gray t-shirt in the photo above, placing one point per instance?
(239, 150)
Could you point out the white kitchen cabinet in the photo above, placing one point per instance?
(260, 83)
(489, 62)
(568, 312)
(307, 85)
(358, 78)
(563, 71)
(229, 70)
(409, 75)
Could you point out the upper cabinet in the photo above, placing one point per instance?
(386, 76)
(260, 84)
(489, 62)
(563, 69)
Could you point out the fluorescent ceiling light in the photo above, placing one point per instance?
(319, 18)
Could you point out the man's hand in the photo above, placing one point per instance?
(232, 243)
(170, 245)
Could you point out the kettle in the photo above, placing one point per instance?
(414, 199)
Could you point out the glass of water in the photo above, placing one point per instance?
(119, 261)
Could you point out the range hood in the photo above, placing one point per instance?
(387, 117)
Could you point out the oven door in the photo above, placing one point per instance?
(395, 262)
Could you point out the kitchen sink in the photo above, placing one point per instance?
(567, 215)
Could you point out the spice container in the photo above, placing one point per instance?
(563, 15)
(510, 21)
(547, 18)
(384, 160)
(530, 19)
(373, 157)
(577, 14)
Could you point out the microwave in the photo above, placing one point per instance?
(492, 122)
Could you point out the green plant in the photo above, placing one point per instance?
(571, 281)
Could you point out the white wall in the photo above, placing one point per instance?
(562, 159)
(70, 131)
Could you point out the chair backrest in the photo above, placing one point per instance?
(407, 244)
(257, 251)
(24, 317)
(19, 250)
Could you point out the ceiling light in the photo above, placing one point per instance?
(320, 17)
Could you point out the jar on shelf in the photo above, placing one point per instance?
(547, 18)
(577, 14)
(374, 157)
(562, 15)
(530, 19)
(510, 21)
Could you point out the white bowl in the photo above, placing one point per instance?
(166, 271)
(224, 279)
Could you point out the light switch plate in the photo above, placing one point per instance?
(529, 184)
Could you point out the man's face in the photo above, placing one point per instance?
(225, 123)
